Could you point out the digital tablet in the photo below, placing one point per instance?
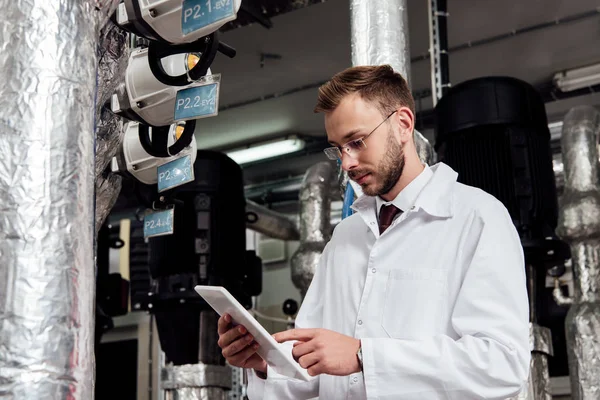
(270, 350)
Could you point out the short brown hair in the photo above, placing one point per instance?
(379, 84)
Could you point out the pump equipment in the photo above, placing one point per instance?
(176, 21)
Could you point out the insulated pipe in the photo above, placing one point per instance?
(47, 285)
(196, 382)
(315, 223)
(270, 223)
(112, 63)
(579, 225)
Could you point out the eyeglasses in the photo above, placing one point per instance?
(352, 147)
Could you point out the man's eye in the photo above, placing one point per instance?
(355, 144)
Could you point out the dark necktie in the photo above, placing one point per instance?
(386, 216)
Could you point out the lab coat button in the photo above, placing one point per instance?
(360, 321)
(374, 270)
(355, 379)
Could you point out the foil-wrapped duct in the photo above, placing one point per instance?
(315, 223)
(112, 64)
(196, 382)
(424, 149)
(47, 285)
(379, 34)
(579, 225)
(538, 385)
(270, 223)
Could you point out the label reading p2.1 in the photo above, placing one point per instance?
(175, 173)
(197, 102)
(197, 14)
(159, 223)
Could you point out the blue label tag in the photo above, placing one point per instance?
(158, 223)
(175, 173)
(197, 14)
(195, 102)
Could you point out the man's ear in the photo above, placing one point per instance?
(405, 119)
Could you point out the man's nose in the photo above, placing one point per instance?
(348, 162)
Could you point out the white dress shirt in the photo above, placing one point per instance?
(439, 300)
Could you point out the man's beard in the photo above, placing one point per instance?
(389, 170)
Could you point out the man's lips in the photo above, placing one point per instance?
(361, 178)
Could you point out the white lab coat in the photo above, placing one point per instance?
(439, 300)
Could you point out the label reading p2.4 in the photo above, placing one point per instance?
(159, 223)
(197, 102)
(198, 14)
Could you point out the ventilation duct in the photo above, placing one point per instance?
(112, 63)
(47, 280)
(579, 224)
(315, 223)
(270, 223)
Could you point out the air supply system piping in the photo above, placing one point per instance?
(112, 64)
(270, 223)
(579, 225)
(47, 176)
(315, 223)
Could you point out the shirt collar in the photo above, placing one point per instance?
(407, 197)
(432, 193)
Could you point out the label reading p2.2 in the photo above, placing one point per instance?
(196, 102)
(158, 223)
(198, 14)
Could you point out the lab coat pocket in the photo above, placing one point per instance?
(414, 303)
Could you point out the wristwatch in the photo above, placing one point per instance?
(360, 357)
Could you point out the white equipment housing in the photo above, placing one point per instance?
(149, 98)
(141, 165)
(165, 18)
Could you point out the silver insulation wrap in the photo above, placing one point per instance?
(315, 222)
(196, 382)
(424, 149)
(538, 384)
(579, 225)
(197, 394)
(270, 223)
(379, 34)
(47, 284)
(112, 63)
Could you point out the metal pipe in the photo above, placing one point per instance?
(558, 295)
(270, 223)
(112, 63)
(538, 384)
(196, 382)
(579, 224)
(47, 283)
(379, 34)
(315, 223)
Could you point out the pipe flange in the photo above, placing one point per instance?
(540, 339)
(196, 376)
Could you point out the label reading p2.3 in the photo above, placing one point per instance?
(159, 223)
(197, 102)
(175, 173)
(198, 14)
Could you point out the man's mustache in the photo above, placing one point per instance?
(357, 174)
